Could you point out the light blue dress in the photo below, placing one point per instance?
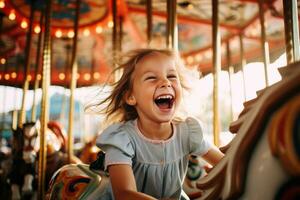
(159, 166)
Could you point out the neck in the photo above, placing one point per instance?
(155, 131)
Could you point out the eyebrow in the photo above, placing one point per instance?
(170, 70)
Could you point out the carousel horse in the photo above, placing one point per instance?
(261, 162)
(89, 152)
(24, 157)
(263, 159)
(79, 181)
(5, 166)
(25, 154)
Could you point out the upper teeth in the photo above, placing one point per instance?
(168, 96)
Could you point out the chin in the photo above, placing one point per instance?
(165, 119)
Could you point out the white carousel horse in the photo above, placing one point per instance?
(79, 181)
(25, 152)
(24, 156)
(261, 162)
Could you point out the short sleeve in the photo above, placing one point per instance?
(115, 142)
(198, 144)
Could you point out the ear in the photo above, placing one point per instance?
(130, 99)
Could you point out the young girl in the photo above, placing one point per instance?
(147, 150)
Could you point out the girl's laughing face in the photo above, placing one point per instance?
(156, 91)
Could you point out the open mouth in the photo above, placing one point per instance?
(164, 101)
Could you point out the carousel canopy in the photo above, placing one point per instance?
(237, 19)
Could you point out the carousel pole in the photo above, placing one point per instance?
(264, 43)
(22, 116)
(243, 63)
(3, 113)
(171, 35)
(14, 121)
(216, 41)
(149, 21)
(45, 100)
(3, 95)
(291, 29)
(119, 43)
(37, 70)
(116, 38)
(15, 113)
(120, 33)
(230, 73)
(73, 81)
(66, 72)
(174, 33)
(4, 105)
(114, 32)
(295, 30)
(168, 24)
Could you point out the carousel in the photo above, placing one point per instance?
(53, 52)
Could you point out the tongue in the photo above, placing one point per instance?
(164, 105)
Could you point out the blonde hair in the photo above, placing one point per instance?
(117, 110)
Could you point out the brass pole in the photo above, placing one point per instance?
(45, 100)
(264, 43)
(3, 95)
(67, 72)
(68, 65)
(174, 33)
(37, 70)
(149, 21)
(120, 33)
(119, 38)
(216, 42)
(115, 29)
(295, 30)
(115, 39)
(22, 115)
(73, 81)
(15, 112)
(243, 63)
(168, 24)
(288, 31)
(14, 120)
(3, 113)
(230, 73)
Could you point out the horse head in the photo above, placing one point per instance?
(30, 141)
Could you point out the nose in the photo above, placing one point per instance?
(165, 83)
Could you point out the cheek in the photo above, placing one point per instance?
(178, 90)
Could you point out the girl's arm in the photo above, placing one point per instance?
(213, 156)
(123, 183)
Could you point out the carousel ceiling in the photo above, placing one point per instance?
(236, 18)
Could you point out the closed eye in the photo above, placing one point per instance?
(172, 76)
(150, 78)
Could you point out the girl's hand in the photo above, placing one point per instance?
(123, 183)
